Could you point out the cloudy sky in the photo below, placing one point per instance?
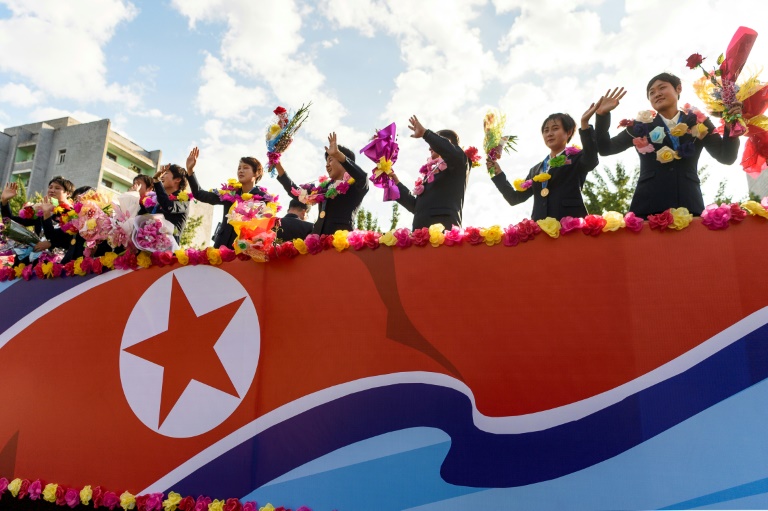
(172, 74)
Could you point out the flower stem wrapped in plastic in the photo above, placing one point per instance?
(495, 142)
(14, 231)
(280, 133)
(382, 150)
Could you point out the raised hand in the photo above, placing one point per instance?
(589, 113)
(134, 188)
(415, 126)
(333, 148)
(610, 100)
(159, 174)
(47, 207)
(9, 192)
(494, 166)
(735, 110)
(192, 160)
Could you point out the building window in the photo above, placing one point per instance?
(111, 156)
(136, 168)
(62, 155)
(24, 154)
(21, 177)
(107, 183)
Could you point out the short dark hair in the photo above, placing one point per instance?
(296, 203)
(664, 77)
(450, 135)
(345, 151)
(179, 172)
(80, 191)
(64, 183)
(255, 164)
(144, 179)
(569, 125)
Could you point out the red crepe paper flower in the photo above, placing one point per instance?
(472, 236)
(510, 238)
(126, 261)
(694, 61)
(233, 505)
(661, 221)
(187, 504)
(737, 214)
(420, 236)
(60, 493)
(286, 250)
(356, 239)
(633, 222)
(327, 241)
(473, 155)
(24, 487)
(371, 239)
(454, 237)
(279, 111)
(527, 230)
(626, 123)
(97, 497)
(313, 244)
(39, 273)
(96, 266)
(6, 273)
(593, 225)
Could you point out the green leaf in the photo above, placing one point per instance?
(720, 59)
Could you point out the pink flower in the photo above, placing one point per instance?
(511, 238)
(738, 214)
(110, 500)
(342, 187)
(571, 150)
(39, 271)
(527, 230)
(35, 489)
(593, 225)
(371, 239)
(313, 244)
(642, 145)
(420, 236)
(227, 254)
(418, 189)
(6, 273)
(472, 236)
(526, 184)
(202, 503)
(633, 223)
(356, 239)
(71, 497)
(403, 236)
(153, 501)
(737, 129)
(661, 221)
(304, 508)
(250, 506)
(716, 217)
(454, 237)
(27, 272)
(764, 202)
(3, 484)
(197, 256)
(569, 223)
(126, 261)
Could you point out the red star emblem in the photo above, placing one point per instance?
(185, 350)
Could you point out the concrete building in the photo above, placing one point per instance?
(759, 186)
(88, 154)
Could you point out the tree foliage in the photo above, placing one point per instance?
(21, 198)
(395, 216)
(610, 190)
(366, 221)
(188, 235)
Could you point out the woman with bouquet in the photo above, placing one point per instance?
(170, 197)
(555, 182)
(249, 172)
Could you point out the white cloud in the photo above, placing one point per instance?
(57, 46)
(19, 95)
(47, 113)
(220, 95)
(154, 113)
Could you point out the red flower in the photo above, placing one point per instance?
(327, 241)
(39, 273)
(403, 236)
(279, 111)
(186, 504)
(527, 230)
(233, 505)
(60, 494)
(420, 236)
(737, 214)
(633, 223)
(227, 254)
(371, 239)
(287, 250)
(473, 236)
(473, 154)
(97, 497)
(626, 123)
(110, 500)
(23, 488)
(511, 238)
(96, 266)
(250, 506)
(694, 61)
(313, 243)
(593, 225)
(660, 221)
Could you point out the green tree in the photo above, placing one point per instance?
(21, 197)
(366, 221)
(188, 235)
(607, 190)
(395, 216)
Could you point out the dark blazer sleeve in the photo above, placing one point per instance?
(354, 170)
(512, 196)
(453, 155)
(407, 199)
(170, 206)
(5, 210)
(722, 148)
(606, 145)
(57, 237)
(199, 193)
(588, 159)
(287, 183)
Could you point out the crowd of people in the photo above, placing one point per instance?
(668, 141)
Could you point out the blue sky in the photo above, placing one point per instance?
(173, 74)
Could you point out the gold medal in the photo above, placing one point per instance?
(322, 214)
(544, 192)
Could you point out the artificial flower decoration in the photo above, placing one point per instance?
(383, 150)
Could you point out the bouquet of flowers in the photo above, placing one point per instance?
(253, 221)
(153, 233)
(126, 207)
(495, 142)
(382, 150)
(14, 231)
(89, 217)
(280, 133)
(325, 189)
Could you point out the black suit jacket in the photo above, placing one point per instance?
(174, 211)
(291, 227)
(564, 186)
(668, 185)
(442, 200)
(337, 213)
(225, 234)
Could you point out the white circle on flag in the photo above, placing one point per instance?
(200, 407)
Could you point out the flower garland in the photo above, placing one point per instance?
(98, 497)
(714, 217)
(326, 189)
(150, 199)
(228, 193)
(560, 160)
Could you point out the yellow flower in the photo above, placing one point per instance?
(181, 256)
(214, 256)
(679, 129)
(233, 182)
(18, 270)
(384, 166)
(700, 130)
(144, 260)
(551, 226)
(127, 501)
(351, 181)
(49, 492)
(274, 130)
(300, 246)
(72, 214)
(183, 196)
(436, 234)
(388, 238)
(666, 155)
(108, 259)
(754, 208)
(613, 221)
(15, 485)
(90, 224)
(272, 207)
(58, 210)
(216, 505)
(268, 507)
(48, 270)
(517, 184)
(682, 218)
(340, 242)
(86, 494)
(540, 178)
(247, 196)
(172, 501)
(77, 266)
(492, 235)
